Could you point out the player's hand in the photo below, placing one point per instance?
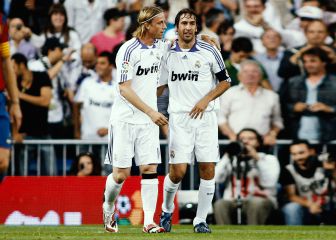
(18, 137)
(158, 118)
(199, 108)
(102, 132)
(315, 208)
(210, 40)
(15, 114)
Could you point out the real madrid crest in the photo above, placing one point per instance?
(197, 64)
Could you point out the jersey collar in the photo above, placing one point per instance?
(177, 48)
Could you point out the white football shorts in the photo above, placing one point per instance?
(190, 138)
(127, 140)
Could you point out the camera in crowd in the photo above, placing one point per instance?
(237, 149)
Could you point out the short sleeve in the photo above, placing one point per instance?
(286, 178)
(82, 92)
(4, 44)
(125, 62)
(45, 79)
(164, 73)
(218, 65)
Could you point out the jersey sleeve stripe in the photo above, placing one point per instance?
(129, 50)
(214, 52)
(127, 57)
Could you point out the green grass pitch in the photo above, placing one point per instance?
(183, 232)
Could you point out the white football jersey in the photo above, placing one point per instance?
(141, 64)
(97, 98)
(191, 75)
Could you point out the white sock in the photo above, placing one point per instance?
(149, 194)
(112, 190)
(205, 194)
(169, 192)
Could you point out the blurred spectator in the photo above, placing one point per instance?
(8, 84)
(86, 16)
(113, 33)
(253, 23)
(294, 33)
(311, 100)
(241, 50)
(316, 33)
(226, 33)
(310, 187)
(270, 60)
(212, 20)
(35, 95)
(18, 42)
(94, 100)
(170, 32)
(88, 63)
(249, 105)
(57, 26)
(229, 8)
(52, 62)
(34, 13)
(86, 164)
(258, 175)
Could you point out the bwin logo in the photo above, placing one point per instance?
(190, 76)
(145, 71)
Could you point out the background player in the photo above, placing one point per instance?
(190, 69)
(133, 116)
(8, 80)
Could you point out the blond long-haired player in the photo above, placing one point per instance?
(135, 121)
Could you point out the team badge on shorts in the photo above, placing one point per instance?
(172, 154)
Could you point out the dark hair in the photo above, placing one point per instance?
(115, 52)
(113, 13)
(262, 1)
(211, 16)
(19, 58)
(96, 166)
(259, 137)
(162, 4)
(224, 27)
(300, 141)
(58, 8)
(242, 44)
(108, 55)
(317, 52)
(184, 11)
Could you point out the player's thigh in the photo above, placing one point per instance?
(206, 144)
(122, 144)
(147, 145)
(181, 140)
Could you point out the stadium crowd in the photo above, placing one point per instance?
(281, 58)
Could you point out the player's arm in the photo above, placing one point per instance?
(128, 93)
(200, 107)
(160, 90)
(9, 76)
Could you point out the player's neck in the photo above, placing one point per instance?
(147, 40)
(106, 78)
(186, 45)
